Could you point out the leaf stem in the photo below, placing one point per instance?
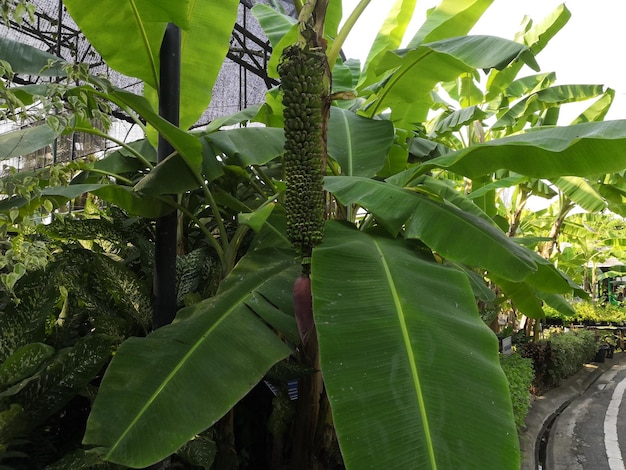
(146, 43)
(333, 52)
(127, 147)
(211, 239)
(231, 251)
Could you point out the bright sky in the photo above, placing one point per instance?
(590, 49)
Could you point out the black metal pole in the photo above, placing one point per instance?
(164, 279)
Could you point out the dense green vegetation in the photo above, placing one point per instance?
(519, 372)
(591, 313)
(559, 356)
(418, 145)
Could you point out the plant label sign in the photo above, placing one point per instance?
(507, 346)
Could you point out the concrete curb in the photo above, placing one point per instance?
(546, 407)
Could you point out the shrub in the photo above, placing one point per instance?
(559, 357)
(519, 373)
(590, 312)
(572, 351)
(541, 355)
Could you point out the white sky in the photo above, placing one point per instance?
(590, 49)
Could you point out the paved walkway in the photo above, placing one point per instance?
(590, 434)
(558, 402)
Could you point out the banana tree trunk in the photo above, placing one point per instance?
(548, 248)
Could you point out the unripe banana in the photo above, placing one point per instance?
(302, 82)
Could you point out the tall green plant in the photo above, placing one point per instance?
(378, 273)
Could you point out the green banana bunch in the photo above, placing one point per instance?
(302, 72)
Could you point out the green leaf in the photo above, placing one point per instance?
(598, 110)
(389, 38)
(24, 141)
(255, 220)
(581, 192)
(480, 289)
(536, 37)
(582, 150)
(183, 142)
(451, 232)
(444, 189)
(411, 371)
(24, 362)
(523, 296)
(123, 196)
(545, 99)
(274, 23)
(171, 176)
(68, 372)
(458, 119)
(358, 144)
(210, 356)
(140, 25)
(250, 145)
(419, 70)
(122, 161)
(245, 115)
(549, 279)
(137, 24)
(280, 29)
(559, 303)
(204, 46)
(29, 60)
(334, 13)
(449, 19)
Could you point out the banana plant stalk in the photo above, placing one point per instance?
(305, 83)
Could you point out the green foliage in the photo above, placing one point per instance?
(520, 374)
(16, 10)
(560, 356)
(541, 355)
(77, 298)
(571, 351)
(95, 282)
(590, 312)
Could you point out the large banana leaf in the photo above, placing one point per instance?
(536, 37)
(412, 372)
(455, 234)
(137, 24)
(245, 146)
(449, 19)
(250, 145)
(161, 390)
(28, 60)
(547, 98)
(25, 141)
(523, 296)
(203, 49)
(140, 24)
(586, 149)
(389, 38)
(419, 70)
(274, 23)
(122, 196)
(581, 192)
(358, 144)
(187, 145)
(598, 110)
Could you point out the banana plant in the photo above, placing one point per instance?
(394, 296)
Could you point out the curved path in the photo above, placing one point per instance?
(590, 434)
